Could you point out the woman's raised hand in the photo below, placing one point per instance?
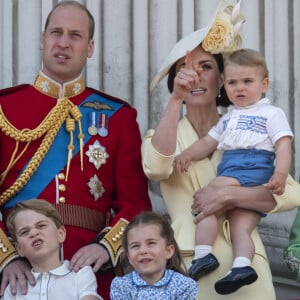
(186, 78)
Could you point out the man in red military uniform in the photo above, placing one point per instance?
(76, 147)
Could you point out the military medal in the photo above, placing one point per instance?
(96, 187)
(92, 130)
(97, 154)
(103, 125)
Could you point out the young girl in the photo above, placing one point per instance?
(250, 134)
(37, 230)
(153, 253)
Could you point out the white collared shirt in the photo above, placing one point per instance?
(256, 126)
(60, 283)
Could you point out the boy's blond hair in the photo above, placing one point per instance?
(40, 206)
(248, 57)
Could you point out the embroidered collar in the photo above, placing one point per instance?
(53, 89)
(62, 270)
(138, 281)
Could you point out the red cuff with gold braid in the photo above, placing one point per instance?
(112, 240)
(7, 251)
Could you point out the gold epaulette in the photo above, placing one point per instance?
(112, 240)
(7, 250)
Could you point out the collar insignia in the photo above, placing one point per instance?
(53, 89)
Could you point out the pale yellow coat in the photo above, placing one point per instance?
(178, 189)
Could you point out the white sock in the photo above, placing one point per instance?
(202, 250)
(241, 261)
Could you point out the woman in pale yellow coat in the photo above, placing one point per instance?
(196, 80)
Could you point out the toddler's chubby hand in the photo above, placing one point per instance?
(276, 184)
(182, 162)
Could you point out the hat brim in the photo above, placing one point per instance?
(188, 43)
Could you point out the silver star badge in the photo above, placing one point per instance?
(97, 154)
(96, 187)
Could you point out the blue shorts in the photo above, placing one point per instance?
(249, 166)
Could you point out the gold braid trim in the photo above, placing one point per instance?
(50, 125)
(77, 115)
(70, 127)
(27, 135)
(112, 240)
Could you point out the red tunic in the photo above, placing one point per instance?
(125, 190)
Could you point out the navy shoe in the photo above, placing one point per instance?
(203, 266)
(237, 278)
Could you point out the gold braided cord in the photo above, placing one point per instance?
(77, 115)
(57, 116)
(13, 160)
(70, 127)
(27, 135)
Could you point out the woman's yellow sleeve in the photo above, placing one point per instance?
(291, 197)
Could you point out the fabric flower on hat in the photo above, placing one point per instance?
(225, 35)
(221, 35)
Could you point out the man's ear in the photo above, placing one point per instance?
(91, 48)
(42, 40)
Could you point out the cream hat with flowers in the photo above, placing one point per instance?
(221, 35)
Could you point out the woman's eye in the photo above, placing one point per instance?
(181, 66)
(206, 67)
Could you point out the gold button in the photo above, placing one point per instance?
(62, 187)
(61, 176)
(62, 199)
